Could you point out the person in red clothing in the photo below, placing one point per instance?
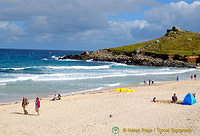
(37, 105)
(191, 77)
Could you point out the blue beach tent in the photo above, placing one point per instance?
(189, 99)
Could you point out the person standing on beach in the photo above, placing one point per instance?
(149, 82)
(191, 77)
(24, 104)
(195, 76)
(145, 82)
(152, 81)
(177, 78)
(37, 105)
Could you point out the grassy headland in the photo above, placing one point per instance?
(175, 42)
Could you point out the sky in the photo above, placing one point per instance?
(91, 24)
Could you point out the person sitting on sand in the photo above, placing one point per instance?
(174, 98)
(154, 99)
(54, 97)
(59, 97)
(24, 104)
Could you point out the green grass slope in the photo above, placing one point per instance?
(176, 42)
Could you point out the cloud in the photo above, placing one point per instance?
(10, 31)
(62, 16)
(181, 14)
(78, 24)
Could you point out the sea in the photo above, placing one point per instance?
(39, 73)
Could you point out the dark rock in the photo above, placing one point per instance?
(136, 58)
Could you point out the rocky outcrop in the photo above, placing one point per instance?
(174, 28)
(135, 59)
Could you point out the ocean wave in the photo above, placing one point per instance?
(6, 80)
(86, 76)
(45, 59)
(3, 84)
(83, 77)
(79, 67)
(91, 60)
(118, 64)
(54, 57)
(15, 68)
(111, 85)
(69, 60)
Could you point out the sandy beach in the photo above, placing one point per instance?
(96, 113)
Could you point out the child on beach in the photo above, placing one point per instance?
(37, 105)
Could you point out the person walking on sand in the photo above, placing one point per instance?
(37, 105)
(149, 82)
(24, 104)
(191, 77)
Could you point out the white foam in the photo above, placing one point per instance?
(115, 84)
(16, 68)
(54, 57)
(83, 76)
(89, 60)
(79, 67)
(44, 59)
(3, 84)
(119, 64)
(69, 60)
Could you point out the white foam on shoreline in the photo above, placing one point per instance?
(111, 85)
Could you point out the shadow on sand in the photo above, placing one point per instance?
(19, 113)
(169, 102)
